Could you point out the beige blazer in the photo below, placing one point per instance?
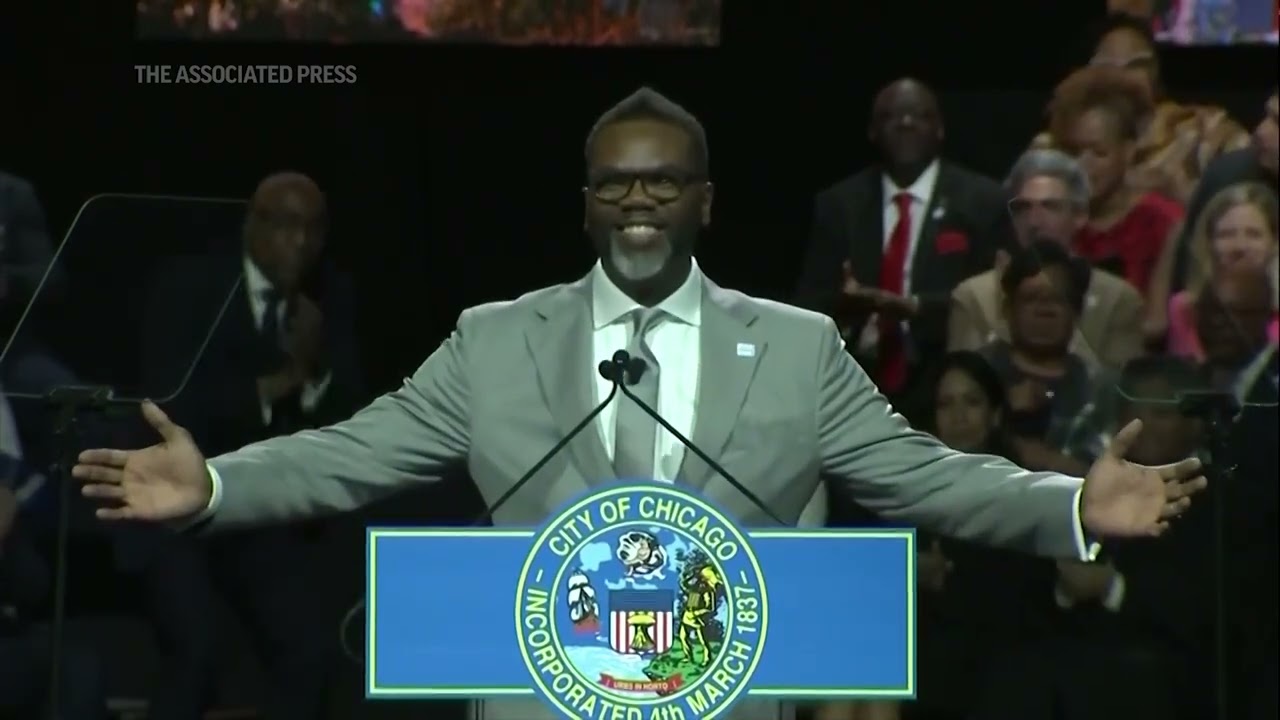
(1108, 334)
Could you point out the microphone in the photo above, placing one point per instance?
(625, 370)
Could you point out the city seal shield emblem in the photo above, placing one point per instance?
(641, 602)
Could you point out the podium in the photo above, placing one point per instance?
(640, 601)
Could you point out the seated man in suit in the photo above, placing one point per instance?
(765, 389)
(25, 583)
(281, 360)
(889, 244)
(26, 255)
(1050, 202)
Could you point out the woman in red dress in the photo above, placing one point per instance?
(1097, 115)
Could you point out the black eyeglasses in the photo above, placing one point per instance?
(663, 186)
(1022, 206)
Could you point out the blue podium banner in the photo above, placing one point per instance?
(640, 596)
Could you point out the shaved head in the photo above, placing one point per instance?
(906, 127)
(285, 230)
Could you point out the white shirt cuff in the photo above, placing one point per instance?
(313, 393)
(1086, 551)
(215, 496)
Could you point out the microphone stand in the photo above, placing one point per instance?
(1220, 411)
(68, 405)
(554, 451)
(626, 370)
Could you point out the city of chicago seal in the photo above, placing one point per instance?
(641, 603)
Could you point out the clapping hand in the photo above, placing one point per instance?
(858, 297)
(1124, 499)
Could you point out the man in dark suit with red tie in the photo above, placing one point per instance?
(888, 245)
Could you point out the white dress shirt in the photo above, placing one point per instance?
(921, 192)
(258, 287)
(675, 345)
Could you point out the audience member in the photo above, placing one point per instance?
(26, 265)
(25, 659)
(1236, 233)
(1256, 164)
(1176, 141)
(1134, 630)
(281, 360)
(1046, 384)
(1233, 316)
(889, 244)
(29, 367)
(1096, 115)
(1050, 202)
(976, 605)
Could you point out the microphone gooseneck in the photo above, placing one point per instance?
(555, 450)
(624, 366)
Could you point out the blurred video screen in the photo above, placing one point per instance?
(1216, 22)
(496, 22)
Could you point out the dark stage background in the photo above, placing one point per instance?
(453, 173)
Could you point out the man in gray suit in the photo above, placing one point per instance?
(765, 388)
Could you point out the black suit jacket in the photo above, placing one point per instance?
(219, 403)
(848, 224)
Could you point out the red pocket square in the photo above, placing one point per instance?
(952, 241)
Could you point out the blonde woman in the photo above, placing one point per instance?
(1238, 232)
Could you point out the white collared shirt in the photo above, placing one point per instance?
(675, 345)
(921, 192)
(258, 287)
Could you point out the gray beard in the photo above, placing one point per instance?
(638, 265)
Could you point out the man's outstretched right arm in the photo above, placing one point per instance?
(414, 434)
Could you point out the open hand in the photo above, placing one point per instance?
(1124, 499)
(167, 481)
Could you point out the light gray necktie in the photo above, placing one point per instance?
(636, 433)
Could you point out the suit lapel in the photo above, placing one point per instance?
(924, 264)
(866, 218)
(730, 351)
(561, 347)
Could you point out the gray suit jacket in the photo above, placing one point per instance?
(516, 376)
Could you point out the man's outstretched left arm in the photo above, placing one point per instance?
(910, 477)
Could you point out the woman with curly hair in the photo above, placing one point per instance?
(1175, 141)
(1096, 115)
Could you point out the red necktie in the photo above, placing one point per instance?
(893, 356)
